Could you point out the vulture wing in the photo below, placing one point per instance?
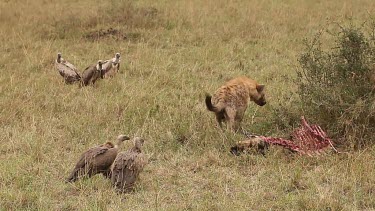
(68, 71)
(126, 169)
(110, 67)
(107, 65)
(88, 73)
(102, 162)
(89, 156)
(70, 65)
(86, 163)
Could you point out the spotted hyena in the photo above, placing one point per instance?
(231, 100)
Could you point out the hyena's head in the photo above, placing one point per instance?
(260, 98)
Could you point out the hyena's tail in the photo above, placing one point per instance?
(209, 105)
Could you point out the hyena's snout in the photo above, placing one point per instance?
(261, 101)
(260, 97)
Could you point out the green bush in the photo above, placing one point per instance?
(336, 85)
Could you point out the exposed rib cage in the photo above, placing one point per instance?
(306, 140)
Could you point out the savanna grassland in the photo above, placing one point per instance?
(173, 52)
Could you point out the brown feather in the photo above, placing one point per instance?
(91, 74)
(126, 168)
(97, 160)
(68, 71)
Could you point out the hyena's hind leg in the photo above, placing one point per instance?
(238, 119)
(220, 118)
(230, 115)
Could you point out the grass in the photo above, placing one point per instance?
(173, 52)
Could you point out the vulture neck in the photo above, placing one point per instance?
(136, 149)
(118, 144)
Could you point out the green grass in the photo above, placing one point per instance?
(175, 52)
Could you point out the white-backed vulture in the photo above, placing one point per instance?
(92, 73)
(127, 166)
(111, 66)
(68, 71)
(97, 160)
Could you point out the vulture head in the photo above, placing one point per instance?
(120, 139)
(58, 57)
(99, 66)
(117, 58)
(138, 142)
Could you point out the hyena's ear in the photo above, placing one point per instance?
(260, 87)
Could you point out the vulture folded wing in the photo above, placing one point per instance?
(103, 161)
(85, 163)
(68, 71)
(107, 65)
(139, 162)
(63, 69)
(124, 171)
(70, 65)
(88, 157)
(88, 74)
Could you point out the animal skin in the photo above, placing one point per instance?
(252, 142)
(127, 167)
(97, 160)
(231, 100)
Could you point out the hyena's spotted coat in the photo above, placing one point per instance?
(231, 100)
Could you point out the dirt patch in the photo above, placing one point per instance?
(111, 33)
(150, 12)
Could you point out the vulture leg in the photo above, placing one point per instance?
(107, 174)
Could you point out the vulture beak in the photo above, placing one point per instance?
(123, 137)
(58, 57)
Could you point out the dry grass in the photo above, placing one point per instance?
(172, 53)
